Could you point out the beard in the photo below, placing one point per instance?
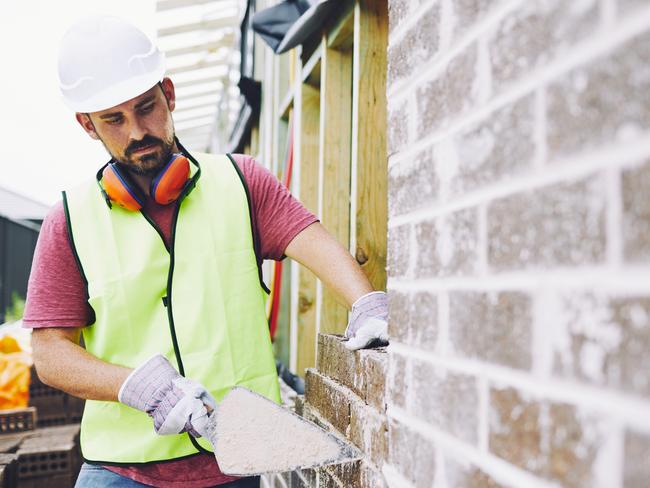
(149, 163)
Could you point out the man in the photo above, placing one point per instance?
(157, 263)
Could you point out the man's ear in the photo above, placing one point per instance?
(87, 124)
(167, 87)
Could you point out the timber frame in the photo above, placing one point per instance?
(331, 92)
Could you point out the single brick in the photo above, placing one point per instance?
(346, 474)
(411, 454)
(636, 469)
(494, 149)
(329, 399)
(449, 95)
(559, 225)
(459, 473)
(335, 361)
(636, 214)
(413, 318)
(604, 340)
(416, 48)
(399, 317)
(398, 128)
(372, 369)
(551, 440)
(397, 380)
(397, 11)
(495, 327)
(369, 432)
(602, 101)
(448, 245)
(399, 244)
(446, 400)
(468, 12)
(629, 6)
(412, 184)
(538, 32)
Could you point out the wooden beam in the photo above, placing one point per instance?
(190, 96)
(200, 81)
(163, 5)
(309, 142)
(199, 26)
(215, 63)
(369, 149)
(341, 36)
(226, 41)
(335, 159)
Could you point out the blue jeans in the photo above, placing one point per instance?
(92, 476)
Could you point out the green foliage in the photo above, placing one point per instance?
(15, 310)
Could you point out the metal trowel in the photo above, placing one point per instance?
(253, 435)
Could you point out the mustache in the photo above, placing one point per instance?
(147, 140)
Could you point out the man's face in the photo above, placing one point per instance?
(138, 133)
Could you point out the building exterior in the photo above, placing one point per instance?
(487, 163)
(20, 219)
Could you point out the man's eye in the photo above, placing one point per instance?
(147, 108)
(114, 121)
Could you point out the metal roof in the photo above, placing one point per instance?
(19, 207)
(200, 41)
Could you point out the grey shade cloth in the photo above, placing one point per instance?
(308, 23)
(273, 23)
(291, 23)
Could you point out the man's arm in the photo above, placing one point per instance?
(317, 249)
(81, 374)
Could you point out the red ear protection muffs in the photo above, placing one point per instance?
(165, 187)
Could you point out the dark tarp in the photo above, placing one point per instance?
(290, 23)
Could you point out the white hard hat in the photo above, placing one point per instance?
(105, 61)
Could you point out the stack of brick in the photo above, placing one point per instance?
(53, 407)
(33, 457)
(519, 243)
(345, 395)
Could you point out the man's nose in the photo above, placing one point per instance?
(137, 131)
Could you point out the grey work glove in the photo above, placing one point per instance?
(176, 404)
(368, 324)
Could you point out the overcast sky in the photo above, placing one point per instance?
(44, 149)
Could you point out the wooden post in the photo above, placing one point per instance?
(309, 143)
(369, 157)
(336, 140)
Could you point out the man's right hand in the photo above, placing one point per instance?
(175, 403)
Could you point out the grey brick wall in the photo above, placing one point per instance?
(519, 244)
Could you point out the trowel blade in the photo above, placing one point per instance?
(253, 435)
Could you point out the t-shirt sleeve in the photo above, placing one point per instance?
(56, 293)
(278, 217)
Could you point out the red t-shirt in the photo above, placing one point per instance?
(57, 295)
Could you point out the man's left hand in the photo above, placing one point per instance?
(368, 326)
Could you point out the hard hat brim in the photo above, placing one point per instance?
(118, 93)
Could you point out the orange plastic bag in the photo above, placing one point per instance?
(14, 374)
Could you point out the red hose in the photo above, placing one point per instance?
(277, 272)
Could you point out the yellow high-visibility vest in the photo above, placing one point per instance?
(200, 303)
